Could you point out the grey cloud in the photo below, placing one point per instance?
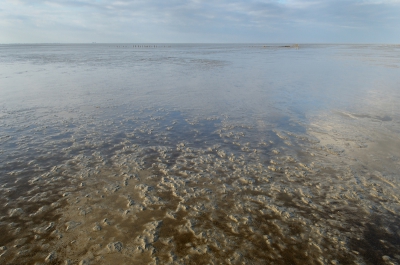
(202, 16)
(356, 11)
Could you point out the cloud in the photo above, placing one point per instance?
(196, 20)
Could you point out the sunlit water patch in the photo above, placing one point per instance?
(198, 154)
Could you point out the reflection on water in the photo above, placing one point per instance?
(199, 154)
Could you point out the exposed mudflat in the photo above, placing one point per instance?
(183, 155)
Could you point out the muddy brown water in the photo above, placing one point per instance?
(199, 154)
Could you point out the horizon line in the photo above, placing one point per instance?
(244, 43)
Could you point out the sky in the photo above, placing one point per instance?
(200, 21)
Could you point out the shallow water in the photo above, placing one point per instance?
(199, 154)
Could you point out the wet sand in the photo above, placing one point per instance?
(111, 180)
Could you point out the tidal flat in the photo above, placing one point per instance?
(199, 154)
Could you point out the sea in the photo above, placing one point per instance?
(199, 153)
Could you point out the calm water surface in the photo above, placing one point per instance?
(199, 154)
